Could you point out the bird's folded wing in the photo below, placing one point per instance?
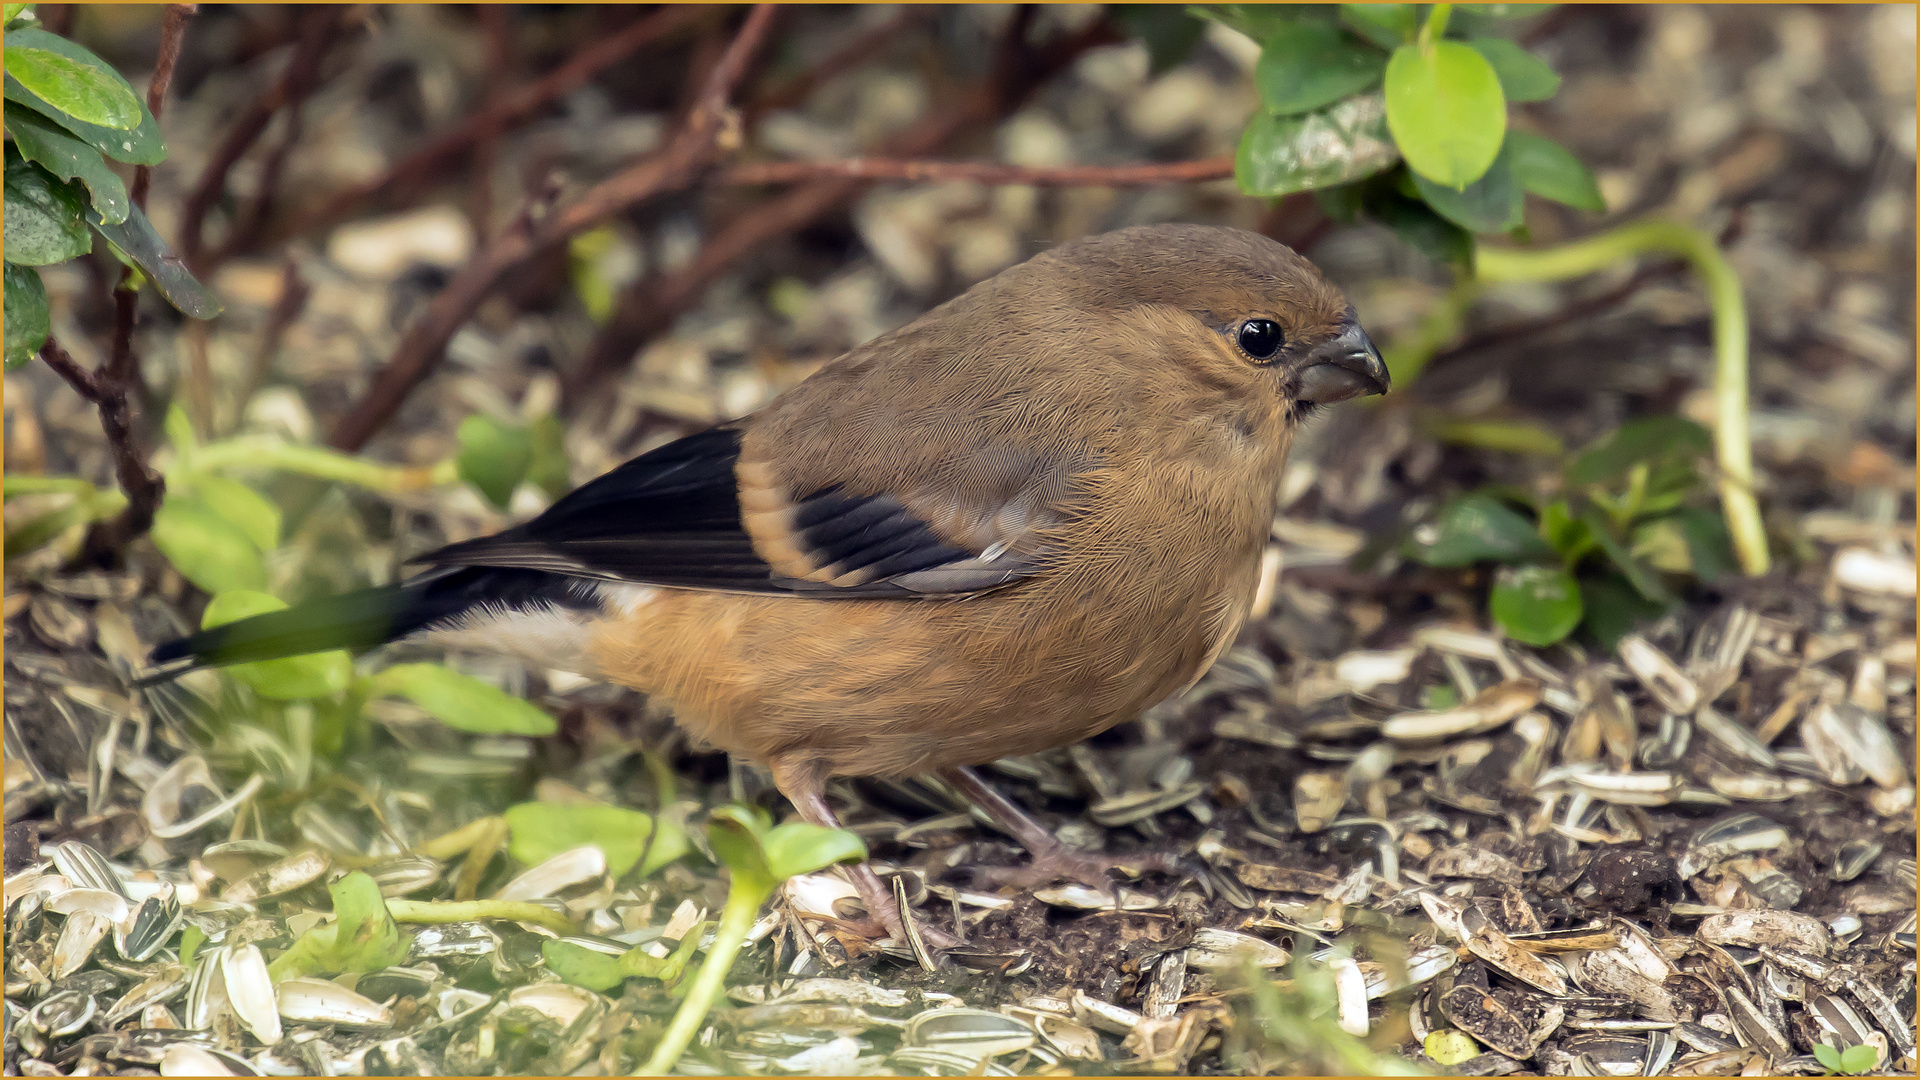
(691, 515)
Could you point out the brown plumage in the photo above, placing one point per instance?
(1009, 525)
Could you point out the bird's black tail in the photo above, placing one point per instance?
(361, 620)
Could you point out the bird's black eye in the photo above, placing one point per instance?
(1261, 338)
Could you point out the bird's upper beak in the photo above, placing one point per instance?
(1346, 367)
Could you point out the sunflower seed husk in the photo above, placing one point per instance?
(83, 931)
(1659, 674)
(1760, 927)
(1848, 742)
(975, 1033)
(282, 877)
(561, 872)
(318, 1001)
(85, 867)
(1215, 949)
(62, 1013)
(1489, 709)
(1087, 898)
(1754, 1028)
(1734, 737)
(152, 926)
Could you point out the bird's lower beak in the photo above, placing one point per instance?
(1346, 367)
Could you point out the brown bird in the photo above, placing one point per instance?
(1011, 524)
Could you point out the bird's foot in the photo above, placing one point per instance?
(884, 918)
(1059, 862)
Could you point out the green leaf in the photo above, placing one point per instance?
(1828, 1055)
(461, 701)
(1490, 204)
(1644, 581)
(1858, 1059)
(1476, 528)
(291, 678)
(361, 937)
(241, 505)
(45, 220)
(550, 469)
(27, 321)
(1449, 1046)
(800, 848)
(1168, 31)
(1709, 546)
(1279, 155)
(1505, 435)
(1446, 111)
(1341, 202)
(1535, 604)
(92, 93)
(1614, 608)
(1550, 171)
(66, 157)
(1386, 25)
(582, 966)
(1307, 65)
(1653, 439)
(1257, 21)
(1566, 534)
(207, 549)
(1523, 76)
(537, 831)
(141, 146)
(137, 237)
(1417, 223)
(1506, 11)
(493, 457)
(734, 832)
(15, 11)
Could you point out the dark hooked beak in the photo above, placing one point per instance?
(1346, 367)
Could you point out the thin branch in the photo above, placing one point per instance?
(142, 485)
(173, 31)
(800, 87)
(710, 130)
(499, 116)
(983, 172)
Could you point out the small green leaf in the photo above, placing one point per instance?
(537, 831)
(1523, 76)
(1564, 533)
(1450, 1046)
(1341, 202)
(550, 469)
(95, 95)
(1614, 608)
(1476, 528)
(493, 457)
(66, 157)
(1346, 141)
(207, 549)
(1655, 438)
(28, 323)
(1506, 11)
(1828, 1055)
(1858, 1059)
(1257, 21)
(1416, 223)
(45, 217)
(292, 678)
(1709, 546)
(1550, 170)
(1307, 65)
(1535, 604)
(461, 701)
(1490, 204)
(1439, 696)
(800, 848)
(1168, 31)
(1662, 545)
(137, 237)
(1644, 581)
(581, 966)
(141, 146)
(240, 504)
(734, 833)
(16, 11)
(1446, 111)
(1386, 25)
(361, 937)
(191, 938)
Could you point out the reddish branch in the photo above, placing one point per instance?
(710, 129)
(984, 172)
(142, 485)
(173, 30)
(801, 86)
(431, 160)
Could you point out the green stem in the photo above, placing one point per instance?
(259, 453)
(1733, 448)
(736, 919)
(451, 911)
(1436, 25)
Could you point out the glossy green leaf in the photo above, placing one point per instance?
(1643, 579)
(141, 146)
(17, 11)
(1445, 110)
(1550, 170)
(1386, 25)
(54, 147)
(1652, 439)
(1523, 76)
(1476, 528)
(1858, 1059)
(493, 457)
(90, 92)
(1828, 1055)
(800, 848)
(26, 310)
(207, 549)
(1565, 533)
(45, 217)
(540, 830)
(240, 504)
(550, 469)
(1535, 604)
(461, 701)
(1257, 21)
(1708, 543)
(734, 832)
(1614, 608)
(361, 937)
(1307, 65)
(291, 678)
(138, 239)
(1168, 31)
(1490, 204)
(1347, 141)
(1415, 222)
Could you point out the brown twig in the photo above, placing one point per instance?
(173, 31)
(142, 485)
(647, 307)
(983, 172)
(709, 130)
(316, 35)
(499, 116)
(800, 87)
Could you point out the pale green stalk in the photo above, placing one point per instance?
(264, 453)
(736, 920)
